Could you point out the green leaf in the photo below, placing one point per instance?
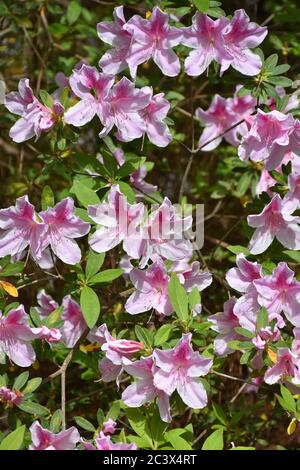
(94, 263)
(106, 276)
(46, 99)
(85, 195)
(20, 381)
(12, 269)
(127, 191)
(144, 336)
(293, 255)
(194, 298)
(236, 249)
(178, 298)
(14, 440)
(163, 334)
(157, 427)
(90, 306)
(114, 411)
(84, 424)
(214, 441)
(288, 399)
(243, 184)
(271, 62)
(32, 385)
(53, 318)
(56, 420)
(219, 413)
(242, 448)
(47, 198)
(279, 69)
(280, 81)
(201, 5)
(73, 12)
(33, 408)
(138, 423)
(262, 319)
(244, 332)
(178, 443)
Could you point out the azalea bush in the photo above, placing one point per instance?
(149, 227)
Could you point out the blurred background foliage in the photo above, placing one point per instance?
(38, 39)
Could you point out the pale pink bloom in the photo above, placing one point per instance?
(143, 390)
(265, 183)
(206, 37)
(153, 38)
(62, 227)
(110, 372)
(224, 323)
(104, 443)
(74, 324)
(124, 104)
(254, 385)
(114, 34)
(292, 197)
(286, 366)
(16, 337)
(222, 114)
(190, 275)
(179, 369)
(280, 292)
(99, 334)
(265, 336)
(109, 426)
(92, 87)
(119, 223)
(275, 221)
(140, 186)
(164, 235)
(51, 335)
(153, 115)
(43, 439)
(296, 342)
(46, 303)
(151, 291)
(242, 277)
(270, 137)
(293, 102)
(20, 228)
(239, 37)
(35, 116)
(11, 396)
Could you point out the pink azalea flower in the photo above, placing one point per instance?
(205, 36)
(293, 195)
(286, 366)
(109, 371)
(296, 342)
(46, 303)
(43, 439)
(119, 223)
(270, 137)
(109, 426)
(179, 368)
(74, 324)
(21, 228)
(35, 116)
(92, 87)
(62, 227)
(224, 323)
(163, 235)
(239, 37)
(114, 33)
(124, 105)
(15, 337)
(153, 38)
(151, 290)
(242, 277)
(275, 221)
(140, 186)
(104, 443)
(153, 115)
(190, 275)
(51, 335)
(280, 292)
(265, 336)
(143, 390)
(265, 183)
(10, 396)
(222, 114)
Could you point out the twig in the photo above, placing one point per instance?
(238, 393)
